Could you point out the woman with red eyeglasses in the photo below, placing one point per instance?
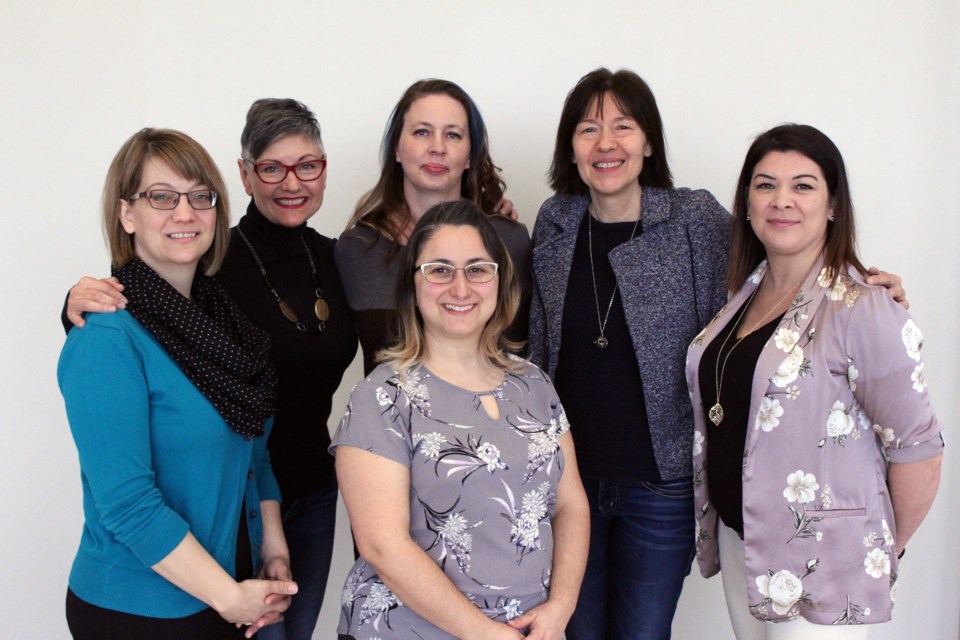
(282, 275)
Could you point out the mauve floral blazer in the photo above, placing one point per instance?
(838, 394)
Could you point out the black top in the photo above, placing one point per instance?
(725, 454)
(310, 365)
(601, 389)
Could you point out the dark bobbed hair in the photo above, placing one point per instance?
(635, 99)
(408, 348)
(840, 249)
(384, 208)
(270, 119)
(188, 158)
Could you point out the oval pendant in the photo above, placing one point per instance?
(601, 342)
(287, 312)
(716, 414)
(321, 309)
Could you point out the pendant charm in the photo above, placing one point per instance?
(287, 312)
(321, 309)
(601, 342)
(716, 414)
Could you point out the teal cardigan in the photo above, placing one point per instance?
(156, 461)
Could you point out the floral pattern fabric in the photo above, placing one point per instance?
(483, 491)
(838, 393)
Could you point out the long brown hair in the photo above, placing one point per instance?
(840, 249)
(384, 207)
(408, 348)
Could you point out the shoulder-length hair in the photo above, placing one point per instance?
(840, 248)
(407, 350)
(384, 208)
(635, 99)
(184, 155)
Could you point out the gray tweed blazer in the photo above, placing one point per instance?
(671, 278)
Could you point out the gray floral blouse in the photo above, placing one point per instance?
(482, 497)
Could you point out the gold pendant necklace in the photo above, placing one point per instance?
(320, 307)
(601, 342)
(716, 411)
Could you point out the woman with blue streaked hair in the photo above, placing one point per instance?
(435, 149)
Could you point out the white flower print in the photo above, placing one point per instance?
(782, 588)
(489, 454)
(835, 285)
(801, 487)
(453, 527)
(789, 369)
(825, 499)
(380, 598)
(793, 392)
(535, 504)
(877, 563)
(852, 374)
(563, 425)
(839, 422)
(786, 339)
(886, 435)
(912, 339)
(382, 398)
(887, 534)
(757, 274)
(429, 444)
(919, 381)
(511, 609)
(697, 443)
(863, 420)
(768, 417)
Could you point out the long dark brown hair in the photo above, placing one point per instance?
(840, 249)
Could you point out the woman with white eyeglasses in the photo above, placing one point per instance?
(454, 459)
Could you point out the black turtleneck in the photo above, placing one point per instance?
(310, 365)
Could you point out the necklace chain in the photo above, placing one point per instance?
(601, 342)
(716, 411)
(320, 307)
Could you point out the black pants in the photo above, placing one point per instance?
(90, 622)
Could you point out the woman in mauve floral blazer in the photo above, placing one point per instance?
(841, 449)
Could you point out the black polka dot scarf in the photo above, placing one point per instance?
(211, 340)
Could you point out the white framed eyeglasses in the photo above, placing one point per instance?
(443, 273)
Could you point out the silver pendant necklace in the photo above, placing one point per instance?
(601, 342)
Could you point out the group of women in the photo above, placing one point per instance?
(471, 513)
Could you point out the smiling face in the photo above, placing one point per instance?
(434, 148)
(789, 205)
(609, 149)
(292, 202)
(170, 242)
(460, 309)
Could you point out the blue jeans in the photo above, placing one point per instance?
(308, 524)
(641, 549)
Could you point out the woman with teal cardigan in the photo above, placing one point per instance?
(170, 404)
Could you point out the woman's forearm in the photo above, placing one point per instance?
(913, 486)
(274, 542)
(571, 536)
(191, 568)
(421, 585)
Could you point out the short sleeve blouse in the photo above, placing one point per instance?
(483, 490)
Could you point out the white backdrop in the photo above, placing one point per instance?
(880, 77)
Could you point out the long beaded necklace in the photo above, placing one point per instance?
(601, 342)
(320, 307)
(716, 411)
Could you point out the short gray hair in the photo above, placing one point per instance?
(270, 119)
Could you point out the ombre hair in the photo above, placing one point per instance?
(408, 348)
(384, 208)
(840, 248)
(191, 161)
(635, 99)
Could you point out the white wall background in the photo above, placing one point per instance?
(880, 77)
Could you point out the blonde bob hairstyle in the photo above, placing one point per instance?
(407, 350)
(184, 155)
